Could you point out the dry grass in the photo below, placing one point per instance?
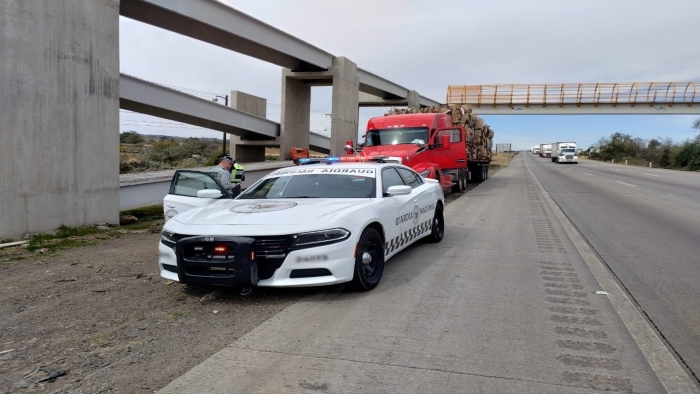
(501, 159)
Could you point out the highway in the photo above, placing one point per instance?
(644, 223)
(509, 302)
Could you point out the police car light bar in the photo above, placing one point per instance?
(347, 159)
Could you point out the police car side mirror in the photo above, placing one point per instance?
(399, 190)
(209, 193)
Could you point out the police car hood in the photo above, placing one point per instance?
(272, 212)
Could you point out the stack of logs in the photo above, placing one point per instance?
(479, 135)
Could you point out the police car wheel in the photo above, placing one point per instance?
(369, 262)
(437, 231)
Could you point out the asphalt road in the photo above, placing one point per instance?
(645, 224)
(504, 304)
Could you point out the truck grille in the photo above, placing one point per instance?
(270, 252)
(569, 157)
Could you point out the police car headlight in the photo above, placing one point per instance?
(168, 237)
(425, 173)
(319, 238)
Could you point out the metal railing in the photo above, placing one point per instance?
(630, 93)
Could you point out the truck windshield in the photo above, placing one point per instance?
(406, 135)
(569, 150)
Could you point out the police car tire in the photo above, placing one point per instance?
(437, 229)
(370, 241)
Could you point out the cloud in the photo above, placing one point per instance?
(429, 47)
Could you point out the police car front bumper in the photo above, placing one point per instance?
(319, 266)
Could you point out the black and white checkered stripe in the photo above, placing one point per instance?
(407, 236)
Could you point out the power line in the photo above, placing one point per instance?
(171, 127)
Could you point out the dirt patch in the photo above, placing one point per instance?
(104, 316)
(100, 319)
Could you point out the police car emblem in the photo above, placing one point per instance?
(262, 207)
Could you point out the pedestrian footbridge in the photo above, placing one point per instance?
(675, 98)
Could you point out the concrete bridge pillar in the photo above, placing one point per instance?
(296, 105)
(246, 151)
(345, 110)
(413, 99)
(295, 121)
(59, 114)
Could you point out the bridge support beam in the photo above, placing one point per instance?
(59, 144)
(412, 100)
(296, 105)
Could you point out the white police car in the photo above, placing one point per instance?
(315, 224)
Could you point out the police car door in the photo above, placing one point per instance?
(421, 205)
(395, 211)
(184, 186)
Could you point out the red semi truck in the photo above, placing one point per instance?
(430, 143)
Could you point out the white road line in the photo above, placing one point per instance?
(588, 174)
(650, 174)
(626, 184)
(672, 376)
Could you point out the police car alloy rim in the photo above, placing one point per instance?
(370, 252)
(438, 224)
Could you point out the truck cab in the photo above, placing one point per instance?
(427, 142)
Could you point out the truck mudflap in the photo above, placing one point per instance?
(217, 260)
(478, 171)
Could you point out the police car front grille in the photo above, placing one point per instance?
(270, 252)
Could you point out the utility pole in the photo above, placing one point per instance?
(223, 147)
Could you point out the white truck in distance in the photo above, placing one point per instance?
(564, 152)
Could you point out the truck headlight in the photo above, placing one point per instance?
(425, 173)
(319, 238)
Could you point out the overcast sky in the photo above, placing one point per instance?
(429, 47)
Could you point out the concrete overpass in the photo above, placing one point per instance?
(149, 98)
(304, 65)
(672, 98)
(61, 99)
(218, 24)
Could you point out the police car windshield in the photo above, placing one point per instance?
(402, 135)
(313, 186)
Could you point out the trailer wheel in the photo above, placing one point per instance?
(369, 263)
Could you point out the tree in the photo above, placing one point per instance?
(696, 125)
(130, 137)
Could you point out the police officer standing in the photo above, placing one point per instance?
(223, 172)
